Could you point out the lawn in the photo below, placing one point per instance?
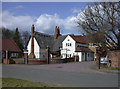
(12, 82)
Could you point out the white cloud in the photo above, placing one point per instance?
(44, 23)
(20, 6)
(75, 10)
(10, 21)
(47, 23)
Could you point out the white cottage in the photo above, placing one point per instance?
(76, 46)
(38, 43)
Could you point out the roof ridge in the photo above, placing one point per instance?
(43, 33)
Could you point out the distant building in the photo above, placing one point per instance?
(9, 48)
(76, 46)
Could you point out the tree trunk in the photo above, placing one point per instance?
(119, 40)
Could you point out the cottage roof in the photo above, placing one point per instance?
(58, 43)
(79, 39)
(45, 40)
(9, 45)
(82, 49)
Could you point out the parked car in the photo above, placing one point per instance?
(103, 60)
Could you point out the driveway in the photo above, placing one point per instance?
(70, 74)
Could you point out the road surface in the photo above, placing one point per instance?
(70, 74)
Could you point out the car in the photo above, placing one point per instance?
(103, 60)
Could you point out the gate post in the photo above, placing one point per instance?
(7, 60)
(48, 55)
(26, 56)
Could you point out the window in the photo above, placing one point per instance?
(82, 54)
(88, 54)
(68, 44)
(14, 55)
(3, 55)
(68, 55)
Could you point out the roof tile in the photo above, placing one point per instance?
(79, 39)
(9, 45)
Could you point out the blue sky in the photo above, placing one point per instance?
(45, 15)
(64, 9)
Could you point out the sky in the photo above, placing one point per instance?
(44, 15)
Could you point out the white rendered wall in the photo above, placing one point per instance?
(80, 55)
(71, 48)
(36, 48)
(29, 47)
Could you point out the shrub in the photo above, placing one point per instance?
(11, 61)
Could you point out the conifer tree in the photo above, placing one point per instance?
(17, 39)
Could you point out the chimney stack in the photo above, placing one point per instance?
(32, 30)
(32, 55)
(57, 33)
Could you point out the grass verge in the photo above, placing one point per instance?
(111, 68)
(13, 82)
(94, 67)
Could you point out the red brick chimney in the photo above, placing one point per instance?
(32, 55)
(57, 33)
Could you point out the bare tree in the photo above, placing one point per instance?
(25, 38)
(102, 22)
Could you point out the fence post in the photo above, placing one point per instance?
(48, 55)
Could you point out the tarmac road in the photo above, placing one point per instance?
(56, 74)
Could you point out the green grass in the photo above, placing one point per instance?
(111, 68)
(12, 82)
(105, 66)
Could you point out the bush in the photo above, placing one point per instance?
(11, 61)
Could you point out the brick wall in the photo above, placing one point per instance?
(19, 60)
(36, 61)
(114, 56)
(30, 61)
(62, 60)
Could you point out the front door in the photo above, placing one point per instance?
(85, 56)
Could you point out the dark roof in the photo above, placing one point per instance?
(58, 43)
(82, 49)
(9, 45)
(45, 40)
(79, 39)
